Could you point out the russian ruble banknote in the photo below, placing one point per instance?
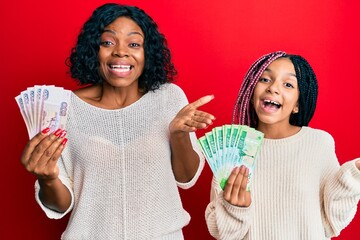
(43, 106)
(229, 146)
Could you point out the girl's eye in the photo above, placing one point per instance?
(265, 80)
(289, 85)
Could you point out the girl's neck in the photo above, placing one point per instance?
(276, 132)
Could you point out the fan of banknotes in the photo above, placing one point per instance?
(43, 106)
(229, 146)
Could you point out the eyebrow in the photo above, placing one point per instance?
(290, 74)
(129, 34)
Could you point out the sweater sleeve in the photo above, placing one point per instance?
(341, 196)
(192, 182)
(177, 95)
(226, 221)
(68, 184)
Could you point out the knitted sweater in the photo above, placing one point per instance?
(117, 166)
(299, 191)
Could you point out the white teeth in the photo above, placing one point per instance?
(121, 68)
(272, 102)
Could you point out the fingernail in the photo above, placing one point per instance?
(63, 134)
(46, 130)
(58, 132)
(64, 141)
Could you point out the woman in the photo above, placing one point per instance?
(130, 131)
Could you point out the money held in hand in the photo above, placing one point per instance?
(44, 106)
(229, 146)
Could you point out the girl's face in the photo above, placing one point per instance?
(121, 53)
(276, 94)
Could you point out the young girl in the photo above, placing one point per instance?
(131, 136)
(299, 191)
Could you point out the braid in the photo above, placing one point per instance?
(243, 112)
(308, 88)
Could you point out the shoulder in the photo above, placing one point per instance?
(172, 88)
(173, 91)
(87, 92)
(169, 96)
(319, 135)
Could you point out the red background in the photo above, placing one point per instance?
(213, 44)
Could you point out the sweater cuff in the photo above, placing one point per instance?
(352, 173)
(192, 182)
(49, 212)
(239, 213)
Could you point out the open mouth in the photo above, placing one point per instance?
(271, 104)
(121, 68)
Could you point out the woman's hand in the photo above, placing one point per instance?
(42, 153)
(189, 119)
(235, 189)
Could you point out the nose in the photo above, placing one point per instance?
(120, 51)
(273, 88)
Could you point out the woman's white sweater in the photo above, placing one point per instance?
(117, 166)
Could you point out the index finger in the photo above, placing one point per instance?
(29, 148)
(202, 101)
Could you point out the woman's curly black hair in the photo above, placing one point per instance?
(83, 60)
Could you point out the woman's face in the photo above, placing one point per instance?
(121, 53)
(276, 94)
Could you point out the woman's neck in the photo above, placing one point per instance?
(108, 97)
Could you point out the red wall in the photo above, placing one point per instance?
(213, 44)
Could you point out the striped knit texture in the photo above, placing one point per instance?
(117, 164)
(299, 191)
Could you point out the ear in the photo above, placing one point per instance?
(296, 109)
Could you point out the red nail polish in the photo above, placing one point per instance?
(64, 141)
(58, 132)
(46, 130)
(63, 134)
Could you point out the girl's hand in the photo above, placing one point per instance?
(189, 119)
(42, 153)
(235, 189)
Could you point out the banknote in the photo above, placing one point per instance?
(20, 103)
(44, 106)
(229, 146)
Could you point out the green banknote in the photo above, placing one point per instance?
(229, 146)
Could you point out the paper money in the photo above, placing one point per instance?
(230, 146)
(44, 106)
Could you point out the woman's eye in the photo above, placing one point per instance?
(134, 45)
(106, 43)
